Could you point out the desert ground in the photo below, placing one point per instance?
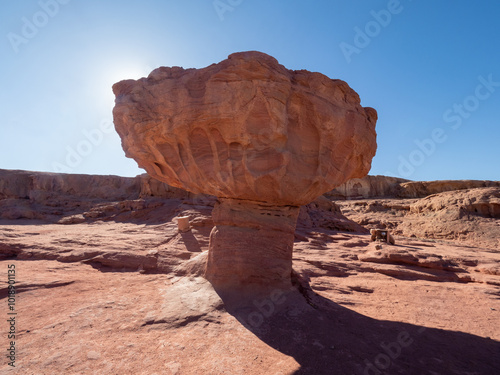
(106, 284)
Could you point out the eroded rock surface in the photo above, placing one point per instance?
(420, 189)
(368, 187)
(392, 187)
(260, 137)
(246, 128)
(483, 202)
(469, 215)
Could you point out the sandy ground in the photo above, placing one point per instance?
(103, 297)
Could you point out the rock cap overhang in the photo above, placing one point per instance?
(246, 128)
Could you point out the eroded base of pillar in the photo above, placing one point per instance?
(251, 243)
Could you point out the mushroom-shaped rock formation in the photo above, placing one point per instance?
(260, 137)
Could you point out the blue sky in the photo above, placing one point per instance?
(430, 68)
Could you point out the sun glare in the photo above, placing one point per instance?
(120, 73)
(130, 72)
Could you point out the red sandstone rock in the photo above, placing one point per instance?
(368, 187)
(260, 137)
(246, 128)
(387, 187)
(252, 242)
(463, 215)
(480, 201)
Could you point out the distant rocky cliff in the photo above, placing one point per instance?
(392, 187)
(368, 187)
(41, 186)
(52, 196)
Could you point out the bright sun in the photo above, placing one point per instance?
(130, 72)
(120, 73)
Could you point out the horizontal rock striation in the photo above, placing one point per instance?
(393, 187)
(421, 189)
(368, 187)
(251, 243)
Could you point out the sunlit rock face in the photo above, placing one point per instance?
(246, 128)
(260, 137)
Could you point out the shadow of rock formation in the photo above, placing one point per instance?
(326, 338)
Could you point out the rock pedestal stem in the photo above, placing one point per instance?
(251, 243)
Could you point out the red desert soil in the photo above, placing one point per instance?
(108, 293)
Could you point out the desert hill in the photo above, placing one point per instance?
(101, 272)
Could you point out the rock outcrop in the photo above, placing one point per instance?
(41, 186)
(483, 202)
(260, 137)
(71, 198)
(392, 187)
(461, 215)
(421, 189)
(246, 128)
(368, 187)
